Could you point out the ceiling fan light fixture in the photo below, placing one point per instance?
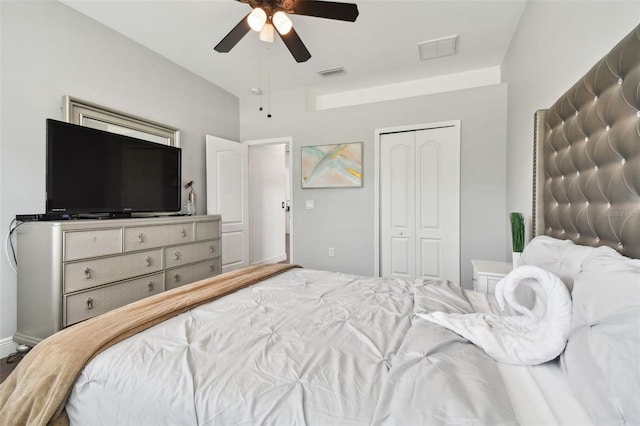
(282, 22)
(266, 33)
(256, 19)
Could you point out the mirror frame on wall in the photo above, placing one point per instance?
(88, 114)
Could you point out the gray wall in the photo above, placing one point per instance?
(555, 44)
(344, 218)
(48, 50)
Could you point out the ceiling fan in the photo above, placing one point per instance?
(269, 14)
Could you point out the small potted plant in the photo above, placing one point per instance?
(517, 236)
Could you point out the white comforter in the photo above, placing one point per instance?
(304, 347)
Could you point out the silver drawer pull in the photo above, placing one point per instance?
(149, 261)
(89, 303)
(177, 277)
(176, 255)
(87, 273)
(150, 285)
(141, 237)
(212, 267)
(184, 233)
(212, 249)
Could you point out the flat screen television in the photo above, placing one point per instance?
(97, 173)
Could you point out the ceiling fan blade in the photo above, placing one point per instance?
(326, 9)
(234, 36)
(295, 45)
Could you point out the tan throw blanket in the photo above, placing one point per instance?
(36, 392)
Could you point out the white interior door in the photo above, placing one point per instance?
(397, 215)
(419, 204)
(267, 184)
(228, 195)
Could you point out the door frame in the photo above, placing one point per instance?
(288, 140)
(408, 128)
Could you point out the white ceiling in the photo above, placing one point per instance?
(380, 48)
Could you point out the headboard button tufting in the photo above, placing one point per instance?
(583, 158)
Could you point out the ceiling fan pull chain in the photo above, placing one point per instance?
(260, 79)
(269, 82)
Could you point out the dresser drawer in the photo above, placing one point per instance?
(189, 253)
(207, 230)
(81, 306)
(92, 243)
(144, 237)
(176, 277)
(94, 272)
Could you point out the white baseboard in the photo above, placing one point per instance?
(275, 259)
(7, 347)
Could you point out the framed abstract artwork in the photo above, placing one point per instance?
(332, 166)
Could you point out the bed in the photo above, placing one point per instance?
(281, 344)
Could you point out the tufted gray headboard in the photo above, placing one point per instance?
(590, 155)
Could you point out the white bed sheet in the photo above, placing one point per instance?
(542, 395)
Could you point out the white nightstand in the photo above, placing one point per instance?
(487, 273)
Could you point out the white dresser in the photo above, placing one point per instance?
(487, 273)
(69, 271)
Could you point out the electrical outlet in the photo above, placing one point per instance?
(310, 205)
(331, 252)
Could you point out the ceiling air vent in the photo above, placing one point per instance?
(332, 72)
(432, 49)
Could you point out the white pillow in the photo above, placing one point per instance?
(602, 357)
(562, 258)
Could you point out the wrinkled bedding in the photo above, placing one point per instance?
(303, 347)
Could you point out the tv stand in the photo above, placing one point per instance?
(72, 270)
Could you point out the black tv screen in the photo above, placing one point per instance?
(92, 171)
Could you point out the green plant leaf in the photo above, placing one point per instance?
(517, 231)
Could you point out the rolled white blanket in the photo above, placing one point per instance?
(530, 337)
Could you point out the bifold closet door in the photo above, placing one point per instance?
(419, 204)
